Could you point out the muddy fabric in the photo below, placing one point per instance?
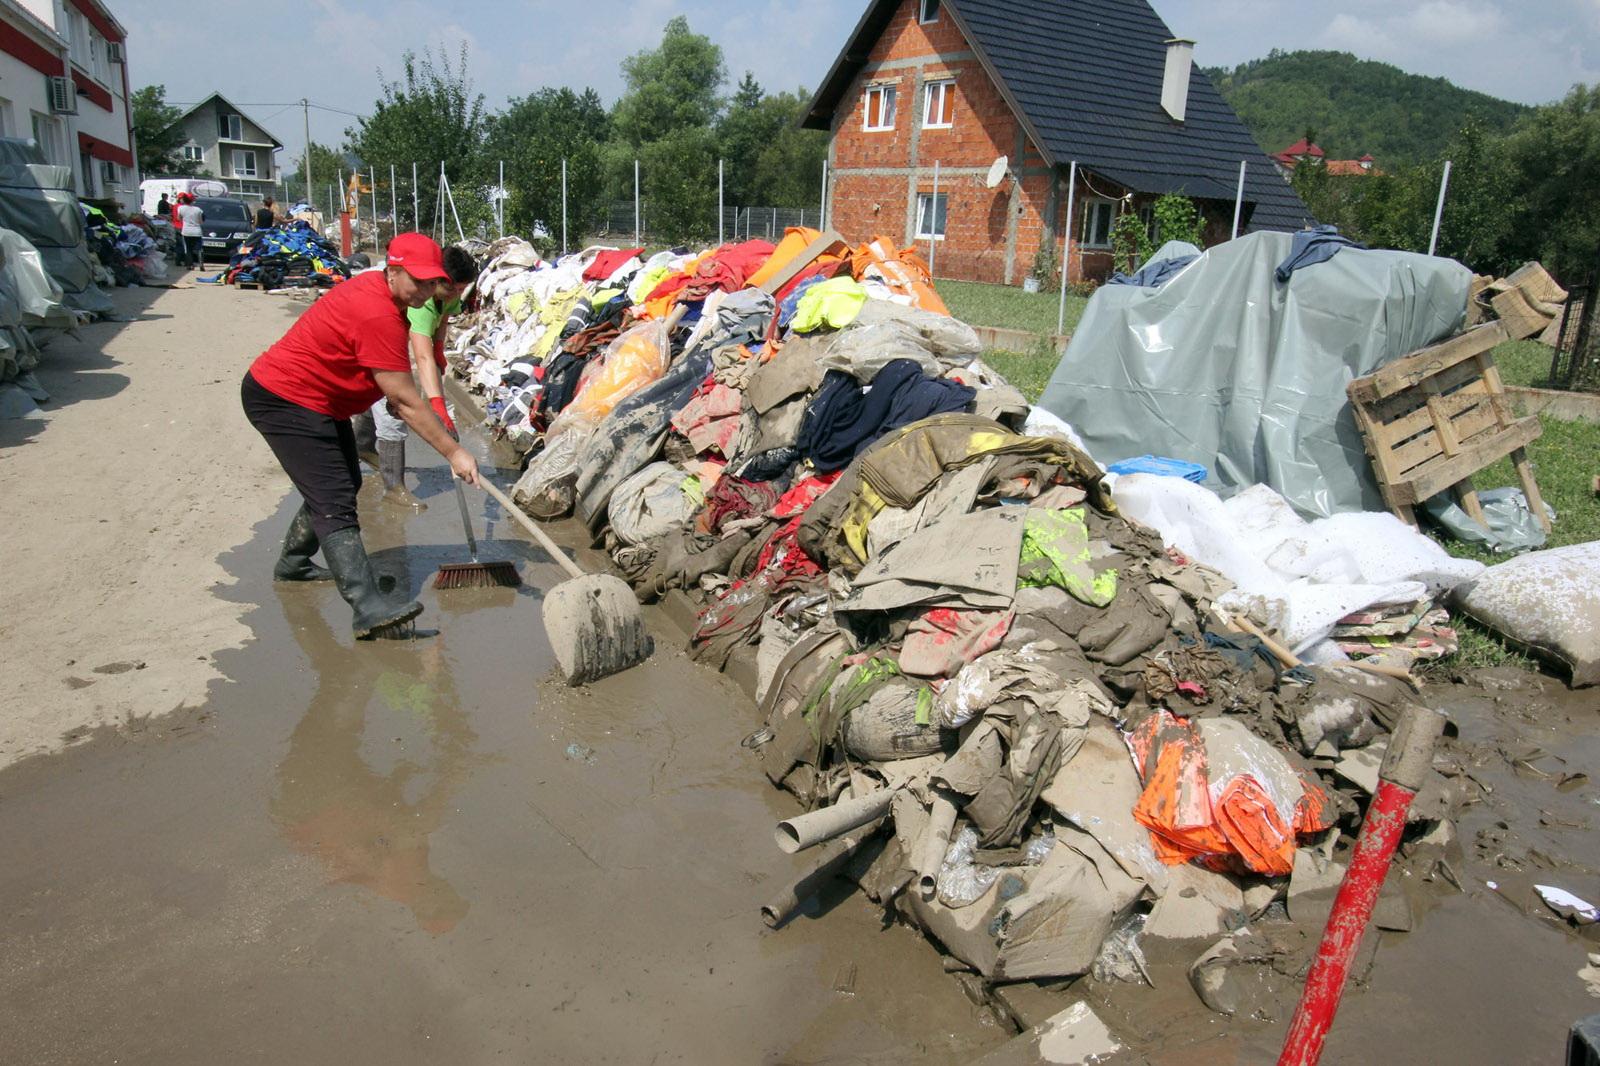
(885, 331)
(1055, 551)
(969, 562)
(996, 397)
(954, 495)
(805, 673)
(734, 620)
(680, 559)
(895, 722)
(899, 469)
(1026, 672)
(942, 640)
(710, 418)
(733, 498)
(648, 504)
(632, 434)
(842, 418)
(1134, 623)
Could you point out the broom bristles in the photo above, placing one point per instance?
(477, 575)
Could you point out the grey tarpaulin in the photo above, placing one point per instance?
(37, 200)
(1226, 367)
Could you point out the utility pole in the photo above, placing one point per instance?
(305, 108)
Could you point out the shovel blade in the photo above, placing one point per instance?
(595, 628)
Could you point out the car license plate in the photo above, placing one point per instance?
(215, 243)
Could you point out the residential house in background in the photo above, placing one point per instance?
(64, 84)
(1304, 151)
(1044, 83)
(231, 147)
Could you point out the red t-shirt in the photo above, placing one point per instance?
(325, 361)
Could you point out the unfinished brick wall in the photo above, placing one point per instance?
(990, 234)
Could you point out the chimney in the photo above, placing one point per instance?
(1175, 82)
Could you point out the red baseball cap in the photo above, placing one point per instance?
(418, 254)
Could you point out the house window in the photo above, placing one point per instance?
(1097, 218)
(5, 117)
(929, 11)
(880, 108)
(931, 216)
(97, 55)
(230, 128)
(939, 107)
(244, 163)
(44, 133)
(194, 153)
(108, 173)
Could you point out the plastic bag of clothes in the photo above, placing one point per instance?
(634, 360)
(1216, 792)
(649, 504)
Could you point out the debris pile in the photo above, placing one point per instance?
(1043, 712)
(289, 255)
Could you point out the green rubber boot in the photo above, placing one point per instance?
(299, 545)
(376, 614)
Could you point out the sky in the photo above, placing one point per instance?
(332, 51)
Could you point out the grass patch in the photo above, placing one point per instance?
(1029, 371)
(1524, 363)
(1007, 307)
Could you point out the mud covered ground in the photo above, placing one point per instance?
(429, 852)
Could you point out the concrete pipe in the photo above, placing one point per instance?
(935, 842)
(831, 862)
(808, 830)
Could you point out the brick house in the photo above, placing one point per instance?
(959, 83)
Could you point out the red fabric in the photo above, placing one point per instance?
(606, 263)
(326, 360)
(793, 505)
(727, 269)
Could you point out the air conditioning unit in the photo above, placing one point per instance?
(114, 52)
(63, 96)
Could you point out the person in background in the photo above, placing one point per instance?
(191, 222)
(164, 207)
(266, 218)
(347, 350)
(428, 325)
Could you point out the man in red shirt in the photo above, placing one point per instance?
(345, 352)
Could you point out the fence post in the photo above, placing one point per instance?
(1438, 211)
(563, 206)
(502, 212)
(822, 216)
(933, 219)
(1238, 203)
(1066, 249)
(635, 201)
(719, 201)
(416, 204)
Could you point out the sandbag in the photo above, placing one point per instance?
(1547, 602)
(886, 727)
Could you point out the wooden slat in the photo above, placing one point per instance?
(1425, 446)
(1405, 415)
(1519, 317)
(1414, 368)
(1435, 478)
(1530, 487)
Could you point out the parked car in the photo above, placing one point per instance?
(227, 224)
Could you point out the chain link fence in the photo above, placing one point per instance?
(739, 223)
(1577, 359)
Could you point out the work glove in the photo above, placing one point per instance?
(437, 403)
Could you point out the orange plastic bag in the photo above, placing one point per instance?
(1216, 793)
(634, 360)
(904, 272)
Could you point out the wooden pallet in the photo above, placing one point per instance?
(1438, 416)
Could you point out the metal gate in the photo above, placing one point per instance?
(1577, 359)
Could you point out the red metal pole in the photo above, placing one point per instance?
(1405, 767)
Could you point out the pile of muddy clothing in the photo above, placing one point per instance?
(33, 312)
(290, 255)
(1057, 737)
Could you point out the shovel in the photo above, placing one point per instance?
(591, 620)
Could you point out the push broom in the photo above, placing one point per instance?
(475, 574)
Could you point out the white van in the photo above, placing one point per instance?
(152, 189)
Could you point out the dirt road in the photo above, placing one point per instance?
(117, 505)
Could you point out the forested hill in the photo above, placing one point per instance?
(1354, 106)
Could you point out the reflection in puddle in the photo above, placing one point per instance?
(370, 824)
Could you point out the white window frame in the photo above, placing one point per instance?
(234, 130)
(1092, 208)
(941, 212)
(923, 16)
(78, 38)
(946, 88)
(889, 96)
(5, 118)
(49, 143)
(238, 171)
(193, 153)
(110, 174)
(97, 55)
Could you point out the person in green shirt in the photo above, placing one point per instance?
(429, 325)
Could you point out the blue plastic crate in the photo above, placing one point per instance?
(1156, 464)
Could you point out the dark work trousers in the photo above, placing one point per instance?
(317, 451)
(197, 255)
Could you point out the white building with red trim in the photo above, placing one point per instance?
(64, 83)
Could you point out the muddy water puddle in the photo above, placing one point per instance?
(431, 852)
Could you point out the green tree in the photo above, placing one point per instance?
(430, 116)
(681, 203)
(1178, 219)
(743, 132)
(157, 134)
(532, 136)
(326, 163)
(769, 159)
(672, 87)
(1554, 159)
